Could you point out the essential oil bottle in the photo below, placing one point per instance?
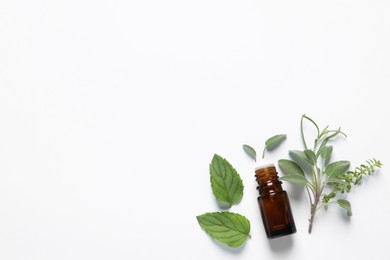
(274, 203)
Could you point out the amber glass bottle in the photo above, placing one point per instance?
(274, 203)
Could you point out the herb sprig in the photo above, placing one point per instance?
(312, 169)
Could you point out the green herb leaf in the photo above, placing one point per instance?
(336, 168)
(273, 142)
(345, 205)
(336, 181)
(325, 152)
(290, 167)
(226, 183)
(250, 151)
(228, 228)
(311, 157)
(300, 158)
(295, 178)
(328, 197)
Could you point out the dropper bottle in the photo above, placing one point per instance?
(274, 203)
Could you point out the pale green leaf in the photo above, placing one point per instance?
(336, 168)
(312, 121)
(290, 167)
(345, 205)
(331, 136)
(250, 151)
(228, 228)
(274, 142)
(301, 159)
(295, 178)
(325, 152)
(311, 156)
(335, 180)
(226, 183)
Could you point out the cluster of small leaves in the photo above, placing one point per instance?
(229, 228)
(347, 180)
(356, 176)
(312, 169)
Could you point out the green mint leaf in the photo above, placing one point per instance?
(290, 167)
(226, 183)
(231, 229)
(345, 205)
(295, 178)
(311, 157)
(336, 168)
(301, 159)
(325, 152)
(273, 142)
(250, 151)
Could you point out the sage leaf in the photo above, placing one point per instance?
(301, 159)
(345, 205)
(229, 228)
(311, 157)
(250, 151)
(290, 167)
(295, 178)
(273, 142)
(226, 183)
(336, 168)
(325, 152)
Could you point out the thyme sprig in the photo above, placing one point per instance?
(350, 178)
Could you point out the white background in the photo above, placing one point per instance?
(110, 112)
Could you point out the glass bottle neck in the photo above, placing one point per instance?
(268, 180)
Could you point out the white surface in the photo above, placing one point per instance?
(110, 112)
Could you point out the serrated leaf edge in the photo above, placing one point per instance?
(232, 244)
(227, 197)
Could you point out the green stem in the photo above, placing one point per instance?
(314, 206)
(314, 178)
(313, 212)
(302, 134)
(308, 193)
